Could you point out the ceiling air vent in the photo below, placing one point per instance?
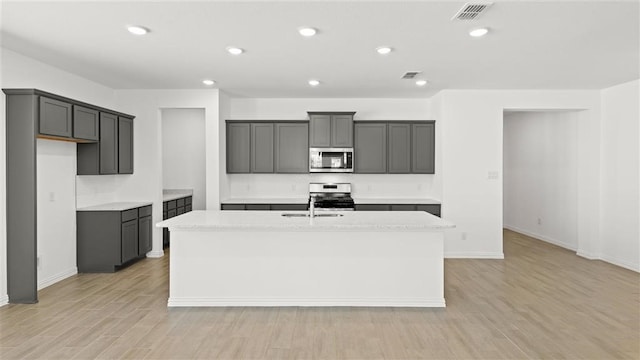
(470, 11)
(410, 74)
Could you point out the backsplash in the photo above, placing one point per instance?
(363, 185)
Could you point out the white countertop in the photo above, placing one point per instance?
(367, 200)
(290, 200)
(274, 221)
(115, 206)
(172, 194)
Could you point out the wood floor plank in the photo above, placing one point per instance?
(540, 302)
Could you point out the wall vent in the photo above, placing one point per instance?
(470, 11)
(410, 74)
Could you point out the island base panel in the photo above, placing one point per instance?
(280, 268)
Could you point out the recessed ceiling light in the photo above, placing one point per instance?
(234, 50)
(421, 82)
(137, 30)
(478, 32)
(208, 82)
(314, 82)
(307, 31)
(383, 50)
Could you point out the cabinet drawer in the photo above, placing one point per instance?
(180, 202)
(372, 207)
(232, 207)
(288, 207)
(433, 209)
(258, 207)
(188, 200)
(129, 215)
(144, 211)
(171, 213)
(171, 204)
(165, 216)
(187, 208)
(180, 210)
(403, 207)
(164, 206)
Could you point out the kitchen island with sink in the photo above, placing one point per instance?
(273, 258)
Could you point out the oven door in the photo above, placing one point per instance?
(331, 160)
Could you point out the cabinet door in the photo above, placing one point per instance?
(171, 213)
(403, 207)
(292, 148)
(289, 207)
(342, 131)
(320, 131)
(125, 145)
(370, 153)
(423, 148)
(399, 148)
(144, 235)
(108, 143)
(85, 123)
(372, 207)
(129, 237)
(261, 148)
(55, 117)
(238, 148)
(258, 206)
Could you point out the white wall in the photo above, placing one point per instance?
(472, 122)
(58, 243)
(620, 216)
(541, 175)
(364, 185)
(183, 152)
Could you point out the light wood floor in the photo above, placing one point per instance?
(541, 302)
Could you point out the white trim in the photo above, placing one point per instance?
(369, 302)
(541, 237)
(474, 255)
(43, 283)
(619, 262)
(587, 255)
(4, 300)
(155, 254)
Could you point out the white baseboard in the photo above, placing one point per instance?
(622, 263)
(43, 283)
(473, 255)
(541, 237)
(155, 254)
(587, 255)
(4, 300)
(365, 302)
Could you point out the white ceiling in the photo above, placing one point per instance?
(532, 45)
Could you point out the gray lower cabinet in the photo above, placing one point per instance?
(109, 239)
(433, 209)
(262, 148)
(86, 123)
(173, 208)
(274, 207)
(55, 118)
(330, 129)
(238, 148)
(292, 147)
(370, 148)
(399, 148)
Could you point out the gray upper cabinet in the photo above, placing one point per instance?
(55, 117)
(399, 148)
(262, 148)
(423, 148)
(370, 148)
(331, 129)
(125, 145)
(86, 123)
(108, 143)
(292, 147)
(238, 148)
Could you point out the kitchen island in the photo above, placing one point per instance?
(349, 258)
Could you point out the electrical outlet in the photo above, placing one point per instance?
(52, 196)
(539, 221)
(463, 236)
(39, 262)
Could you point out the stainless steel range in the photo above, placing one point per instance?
(330, 196)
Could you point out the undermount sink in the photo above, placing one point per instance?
(307, 215)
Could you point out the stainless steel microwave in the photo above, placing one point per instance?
(331, 160)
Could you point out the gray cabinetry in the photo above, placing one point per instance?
(262, 148)
(238, 147)
(292, 147)
(370, 148)
(331, 129)
(433, 209)
(399, 148)
(108, 143)
(173, 208)
(55, 117)
(372, 207)
(86, 123)
(109, 239)
(274, 207)
(423, 148)
(125, 145)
